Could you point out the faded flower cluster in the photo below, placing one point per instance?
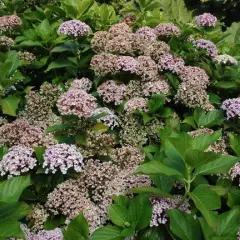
(9, 23)
(167, 29)
(225, 60)
(6, 41)
(206, 20)
(74, 28)
(232, 107)
(18, 160)
(61, 157)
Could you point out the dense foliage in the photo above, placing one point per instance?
(118, 120)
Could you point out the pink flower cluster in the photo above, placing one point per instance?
(62, 157)
(206, 20)
(9, 23)
(76, 102)
(74, 28)
(147, 33)
(136, 104)
(206, 45)
(232, 106)
(112, 92)
(127, 64)
(167, 29)
(18, 160)
(170, 63)
(81, 84)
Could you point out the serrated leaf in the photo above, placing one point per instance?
(60, 64)
(184, 225)
(39, 152)
(10, 190)
(233, 33)
(151, 191)
(118, 215)
(220, 165)
(107, 233)
(11, 228)
(10, 105)
(100, 127)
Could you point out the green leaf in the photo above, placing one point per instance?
(60, 64)
(83, 6)
(163, 183)
(220, 165)
(233, 33)
(100, 127)
(3, 151)
(58, 127)
(234, 141)
(79, 225)
(39, 152)
(107, 233)
(118, 215)
(140, 212)
(228, 223)
(156, 102)
(157, 168)
(207, 196)
(208, 232)
(10, 228)
(211, 118)
(196, 157)
(30, 43)
(227, 85)
(10, 105)
(72, 235)
(233, 198)
(203, 141)
(151, 191)
(13, 211)
(10, 190)
(184, 225)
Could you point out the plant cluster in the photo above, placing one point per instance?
(118, 122)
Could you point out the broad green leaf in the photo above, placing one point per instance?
(208, 232)
(10, 105)
(72, 235)
(10, 228)
(228, 223)
(60, 64)
(140, 212)
(83, 6)
(233, 198)
(118, 215)
(164, 183)
(100, 127)
(211, 118)
(157, 168)
(184, 225)
(30, 43)
(203, 141)
(234, 141)
(3, 151)
(209, 216)
(107, 233)
(151, 191)
(207, 197)
(79, 225)
(10, 190)
(227, 85)
(39, 152)
(152, 233)
(219, 190)
(156, 102)
(220, 165)
(196, 157)
(13, 211)
(104, 13)
(233, 33)
(60, 127)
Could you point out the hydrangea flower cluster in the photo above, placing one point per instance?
(6, 41)
(74, 28)
(112, 92)
(81, 84)
(167, 29)
(76, 102)
(206, 45)
(170, 63)
(225, 60)
(162, 205)
(232, 107)
(136, 104)
(110, 120)
(147, 33)
(206, 20)
(235, 172)
(27, 57)
(9, 23)
(127, 64)
(18, 160)
(62, 157)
